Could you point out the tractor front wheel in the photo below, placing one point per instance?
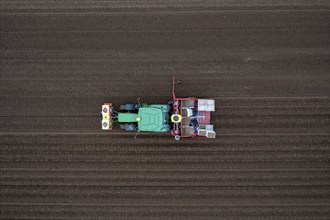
(128, 127)
(128, 107)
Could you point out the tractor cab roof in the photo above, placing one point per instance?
(151, 119)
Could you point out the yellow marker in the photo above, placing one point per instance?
(106, 110)
(176, 118)
(138, 119)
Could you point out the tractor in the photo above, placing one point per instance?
(182, 117)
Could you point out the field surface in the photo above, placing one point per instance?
(266, 63)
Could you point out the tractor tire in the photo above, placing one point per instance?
(128, 107)
(128, 127)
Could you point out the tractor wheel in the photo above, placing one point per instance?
(128, 107)
(131, 127)
(128, 126)
(177, 137)
(122, 126)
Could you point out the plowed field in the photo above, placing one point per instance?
(266, 63)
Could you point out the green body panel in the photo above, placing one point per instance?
(152, 119)
(163, 107)
(127, 117)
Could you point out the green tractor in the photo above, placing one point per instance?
(182, 117)
(137, 117)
